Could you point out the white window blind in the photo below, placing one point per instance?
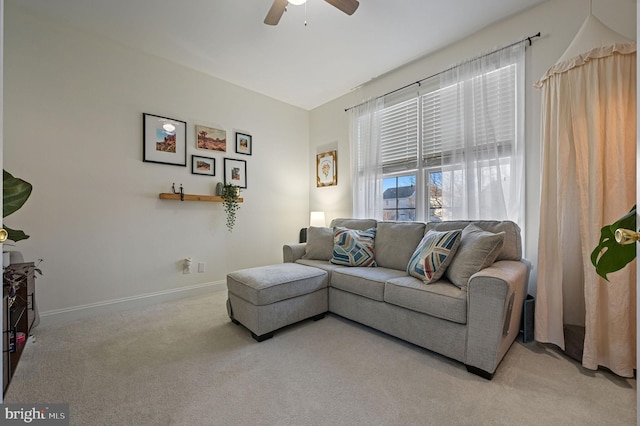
(399, 134)
(442, 122)
(494, 105)
(484, 105)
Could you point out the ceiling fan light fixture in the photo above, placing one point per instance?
(279, 6)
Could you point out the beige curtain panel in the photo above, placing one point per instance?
(589, 180)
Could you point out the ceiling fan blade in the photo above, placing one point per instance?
(276, 11)
(347, 6)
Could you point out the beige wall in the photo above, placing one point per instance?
(73, 128)
(557, 20)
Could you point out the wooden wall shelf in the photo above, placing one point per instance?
(192, 197)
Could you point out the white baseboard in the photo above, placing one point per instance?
(63, 316)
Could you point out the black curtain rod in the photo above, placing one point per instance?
(529, 39)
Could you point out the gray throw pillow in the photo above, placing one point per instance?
(319, 243)
(478, 249)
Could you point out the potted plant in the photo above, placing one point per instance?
(609, 256)
(13, 278)
(230, 196)
(15, 193)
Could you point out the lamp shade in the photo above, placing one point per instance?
(297, 2)
(317, 219)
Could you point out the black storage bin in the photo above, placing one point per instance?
(528, 315)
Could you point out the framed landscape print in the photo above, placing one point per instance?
(164, 140)
(327, 168)
(203, 165)
(211, 139)
(243, 143)
(235, 172)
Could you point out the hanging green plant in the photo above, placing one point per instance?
(609, 256)
(230, 196)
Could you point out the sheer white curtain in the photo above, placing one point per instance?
(366, 164)
(482, 124)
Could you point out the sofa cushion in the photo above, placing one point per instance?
(367, 282)
(440, 299)
(325, 265)
(478, 249)
(319, 243)
(353, 247)
(396, 242)
(433, 255)
(361, 224)
(264, 285)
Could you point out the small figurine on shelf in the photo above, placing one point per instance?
(181, 191)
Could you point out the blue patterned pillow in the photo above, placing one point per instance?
(433, 255)
(353, 247)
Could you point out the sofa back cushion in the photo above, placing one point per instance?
(512, 245)
(396, 242)
(360, 224)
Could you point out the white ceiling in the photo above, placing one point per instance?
(305, 66)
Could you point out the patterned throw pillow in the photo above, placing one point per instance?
(353, 247)
(433, 255)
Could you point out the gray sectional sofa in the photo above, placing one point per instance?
(470, 314)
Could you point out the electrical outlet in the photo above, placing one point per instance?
(201, 267)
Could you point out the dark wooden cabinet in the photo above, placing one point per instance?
(18, 315)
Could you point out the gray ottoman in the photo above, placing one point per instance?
(267, 298)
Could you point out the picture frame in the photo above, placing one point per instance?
(243, 143)
(211, 139)
(203, 165)
(235, 172)
(164, 140)
(327, 168)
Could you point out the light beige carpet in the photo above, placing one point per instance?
(185, 363)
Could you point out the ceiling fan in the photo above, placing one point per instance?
(278, 7)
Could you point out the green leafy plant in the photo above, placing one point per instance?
(13, 277)
(15, 193)
(609, 256)
(230, 196)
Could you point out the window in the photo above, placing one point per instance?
(399, 198)
(453, 151)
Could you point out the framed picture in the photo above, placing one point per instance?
(235, 172)
(164, 140)
(327, 168)
(211, 139)
(203, 165)
(243, 143)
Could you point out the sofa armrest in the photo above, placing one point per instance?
(293, 252)
(495, 296)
